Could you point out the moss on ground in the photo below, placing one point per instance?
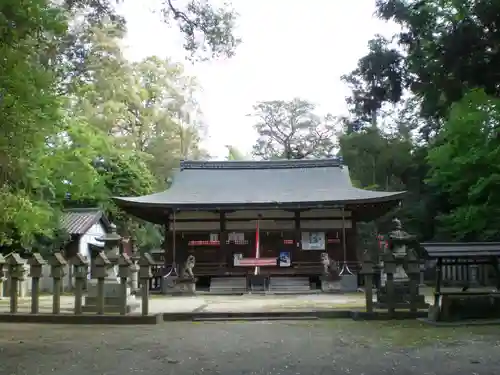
(406, 333)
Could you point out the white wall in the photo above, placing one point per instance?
(96, 231)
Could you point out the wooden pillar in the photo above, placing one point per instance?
(439, 277)
(298, 232)
(167, 245)
(353, 233)
(224, 255)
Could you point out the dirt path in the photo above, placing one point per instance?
(278, 348)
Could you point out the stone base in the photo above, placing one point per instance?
(112, 298)
(348, 283)
(433, 313)
(330, 286)
(402, 296)
(111, 305)
(178, 285)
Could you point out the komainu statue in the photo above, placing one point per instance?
(330, 267)
(187, 268)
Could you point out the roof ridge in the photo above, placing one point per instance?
(261, 164)
(82, 209)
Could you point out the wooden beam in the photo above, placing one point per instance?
(223, 256)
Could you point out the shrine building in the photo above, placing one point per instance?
(271, 218)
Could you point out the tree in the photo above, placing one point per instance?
(445, 49)
(207, 29)
(291, 130)
(29, 113)
(465, 169)
(378, 79)
(147, 113)
(80, 123)
(234, 154)
(450, 47)
(146, 106)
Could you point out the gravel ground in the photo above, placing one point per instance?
(278, 348)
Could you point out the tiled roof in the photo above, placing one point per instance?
(227, 184)
(461, 249)
(79, 221)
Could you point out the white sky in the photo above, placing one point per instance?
(290, 48)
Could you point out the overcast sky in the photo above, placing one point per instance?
(291, 48)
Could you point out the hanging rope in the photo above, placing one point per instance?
(173, 269)
(345, 268)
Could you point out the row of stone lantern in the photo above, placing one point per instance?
(127, 270)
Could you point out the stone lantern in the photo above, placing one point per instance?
(111, 250)
(400, 260)
(113, 299)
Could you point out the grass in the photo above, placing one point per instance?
(405, 334)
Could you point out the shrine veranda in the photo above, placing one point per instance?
(272, 217)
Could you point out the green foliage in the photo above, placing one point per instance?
(234, 154)
(81, 124)
(216, 25)
(465, 168)
(421, 80)
(29, 112)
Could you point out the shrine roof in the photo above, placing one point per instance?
(78, 221)
(461, 249)
(199, 185)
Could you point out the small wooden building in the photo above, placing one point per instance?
(464, 263)
(84, 226)
(278, 216)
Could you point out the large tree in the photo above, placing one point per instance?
(80, 123)
(445, 49)
(29, 113)
(292, 130)
(465, 169)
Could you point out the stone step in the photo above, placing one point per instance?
(253, 318)
(228, 285)
(289, 284)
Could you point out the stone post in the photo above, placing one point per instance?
(390, 269)
(3, 272)
(81, 266)
(23, 286)
(100, 271)
(134, 276)
(57, 272)
(145, 274)
(413, 271)
(367, 271)
(16, 270)
(134, 271)
(36, 263)
(124, 263)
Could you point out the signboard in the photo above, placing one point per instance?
(284, 259)
(239, 261)
(236, 237)
(313, 241)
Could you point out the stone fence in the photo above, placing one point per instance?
(111, 279)
(400, 285)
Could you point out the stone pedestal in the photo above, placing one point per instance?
(112, 297)
(330, 284)
(178, 285)
(348, 283)
(402, 295)
(134, 278)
